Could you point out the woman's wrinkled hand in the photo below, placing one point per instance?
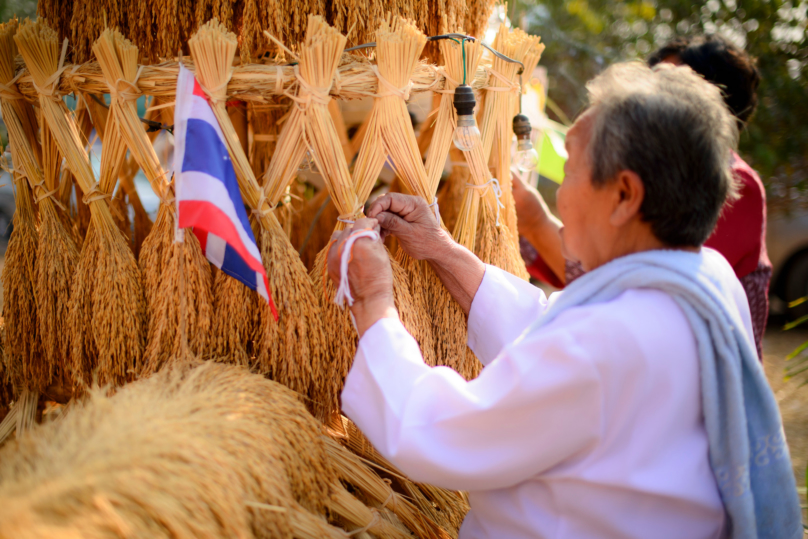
(370, 275)
(412, 221)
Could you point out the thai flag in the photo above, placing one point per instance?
(208, 198)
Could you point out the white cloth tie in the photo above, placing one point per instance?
(343, 294)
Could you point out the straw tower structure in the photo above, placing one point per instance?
(22, 338)
(292, 347)
(56, 261)
(311, 126)
(390, 132)
(501, 105)
(106, 315)
(164, 262)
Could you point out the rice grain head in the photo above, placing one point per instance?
(341, 342)
(22, 342)
(55, 266)
(195, 451)
(184, 290)
(237, 316)
(291, 350)
(107, 308)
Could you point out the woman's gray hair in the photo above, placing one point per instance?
(673, 129)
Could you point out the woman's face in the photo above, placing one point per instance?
(584, 209)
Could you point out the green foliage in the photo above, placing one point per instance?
(20, 8)
(584, 36)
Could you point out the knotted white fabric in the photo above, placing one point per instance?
(343, 294)
(494, 184)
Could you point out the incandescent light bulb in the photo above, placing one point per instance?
(467, 134)
(526, 158)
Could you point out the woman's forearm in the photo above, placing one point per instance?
(544, 236)
(460, 271)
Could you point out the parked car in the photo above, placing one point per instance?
(787, 243)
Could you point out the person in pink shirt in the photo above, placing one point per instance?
(739, 235)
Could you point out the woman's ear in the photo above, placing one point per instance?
(630, 192)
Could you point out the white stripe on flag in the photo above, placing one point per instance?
(261, 289)
(214, 250)
(199, 109)
(198, 186)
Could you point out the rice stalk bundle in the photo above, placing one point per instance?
(161, 271)
(198, 450)
(107, 305)
(501, 105)
(23, 343)
(256, 83)
(210, 451)
(291, 348)
(311, 125)
(143, 224)
(22, 339)
(445, 507)
(488, 237)
(456, 73)
(55, 266)
(390, 133)
(59, 13)
(354, 471)
(450, 196)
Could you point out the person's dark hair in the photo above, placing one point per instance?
(671, 128)
(722, 63)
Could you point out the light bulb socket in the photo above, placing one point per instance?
(521, 127)
(464, 101)
(523, 144)
(466, 120)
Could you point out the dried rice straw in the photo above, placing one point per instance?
(390, 133)
(55, 266)
(162, 257)
(107, 304)
(445, 507)
(311, 125)
(149, 465)
(22, 339)
(290, 349)
(501, 105)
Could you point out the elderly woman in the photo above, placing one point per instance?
(630, 405)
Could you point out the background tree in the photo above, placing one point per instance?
(584, 36)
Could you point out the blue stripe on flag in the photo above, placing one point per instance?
(205, 152)
(234, 266)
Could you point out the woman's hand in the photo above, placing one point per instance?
(369, 275)
(411, 220)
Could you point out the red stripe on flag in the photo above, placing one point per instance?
(198, 89)
(206, 216)
(202, 236)
(271, 302)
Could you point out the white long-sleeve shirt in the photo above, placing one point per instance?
(590, 427)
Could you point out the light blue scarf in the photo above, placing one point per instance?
(748, 451)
